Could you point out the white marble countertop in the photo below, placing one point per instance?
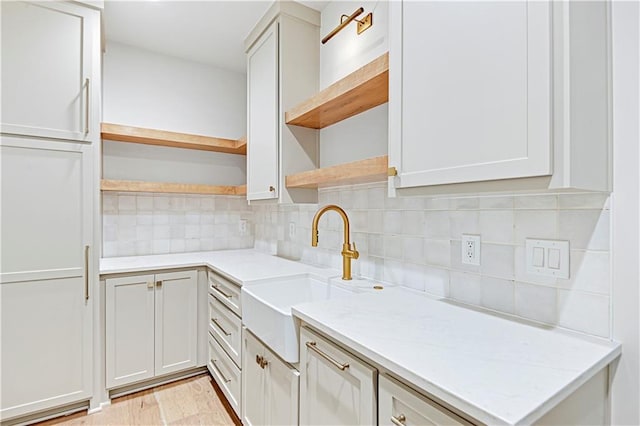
(241, 266)
(495, 369)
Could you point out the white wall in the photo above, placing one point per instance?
(626, 230)
(364, 135)
(147, 89)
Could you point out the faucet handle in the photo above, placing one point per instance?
(355, 253)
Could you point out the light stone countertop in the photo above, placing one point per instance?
(495, 369)
(241, 266)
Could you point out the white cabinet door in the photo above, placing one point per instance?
(269, 386)
(262, 117)
(281, 391)
(129, 329)
(253, 381)
(400, 405)
(470, 91)
(46, 276)
(336, 388)
(176, 341)
(49, 88)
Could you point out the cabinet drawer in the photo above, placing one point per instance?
(225, 291)
(226, 328)
(335, 386)
(225, 373)
(399, 405)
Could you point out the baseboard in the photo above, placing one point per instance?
(99, 407)
(152, 383)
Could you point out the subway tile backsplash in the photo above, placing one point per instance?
(414, 242)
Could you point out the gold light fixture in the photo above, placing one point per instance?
(363, 24)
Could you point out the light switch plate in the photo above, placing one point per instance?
(292, 230)
(242, 227)
(555, 258)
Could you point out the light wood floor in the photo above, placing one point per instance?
(191, 401)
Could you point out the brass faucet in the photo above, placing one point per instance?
(348, 250)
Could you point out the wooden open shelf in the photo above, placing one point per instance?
(120, 133)
(361, 90)
(173, 188)
(361, 171)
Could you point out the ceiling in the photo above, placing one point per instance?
(211, 32)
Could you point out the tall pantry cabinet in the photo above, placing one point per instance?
(49, 132)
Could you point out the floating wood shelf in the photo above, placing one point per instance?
(361, 171)
(361, 90)
(120, 133)
(174, 188)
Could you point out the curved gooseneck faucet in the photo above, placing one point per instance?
(348, 250)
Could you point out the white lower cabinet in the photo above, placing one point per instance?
(226, 374)
(151, 326)
(269, 386)
(225, 338)
(398, 405)
(336, 388)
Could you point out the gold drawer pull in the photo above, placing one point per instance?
(261, 361)
(220, 372)
(215, 321)
(398, 421)
(313, 347)
(228, 296)
(86, 273)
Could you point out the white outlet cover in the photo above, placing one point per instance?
(292, 230)
(470, 249)
(242, 227)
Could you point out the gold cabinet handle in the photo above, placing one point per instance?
(215, 321)
(150, 284)
(261, 361)
(392, 171)
(272, 189)
(220, 372)
(314, 347)
(398, 421)
(228, 296)
(158, 283)
(86, 106)
(86, 272)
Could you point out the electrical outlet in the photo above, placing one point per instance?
(470, 249)
(242, 227)
(292, 230)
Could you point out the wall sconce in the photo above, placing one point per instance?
(363, 24)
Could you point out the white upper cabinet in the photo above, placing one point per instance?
(482, 91)
(50, 70)
(262, 105)
(282, 71)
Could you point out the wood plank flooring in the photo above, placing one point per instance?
(192, 401)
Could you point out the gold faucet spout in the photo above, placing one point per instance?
(348, 250)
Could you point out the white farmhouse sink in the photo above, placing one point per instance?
(266, 309)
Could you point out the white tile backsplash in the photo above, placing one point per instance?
(142, 223)
(413, 242)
